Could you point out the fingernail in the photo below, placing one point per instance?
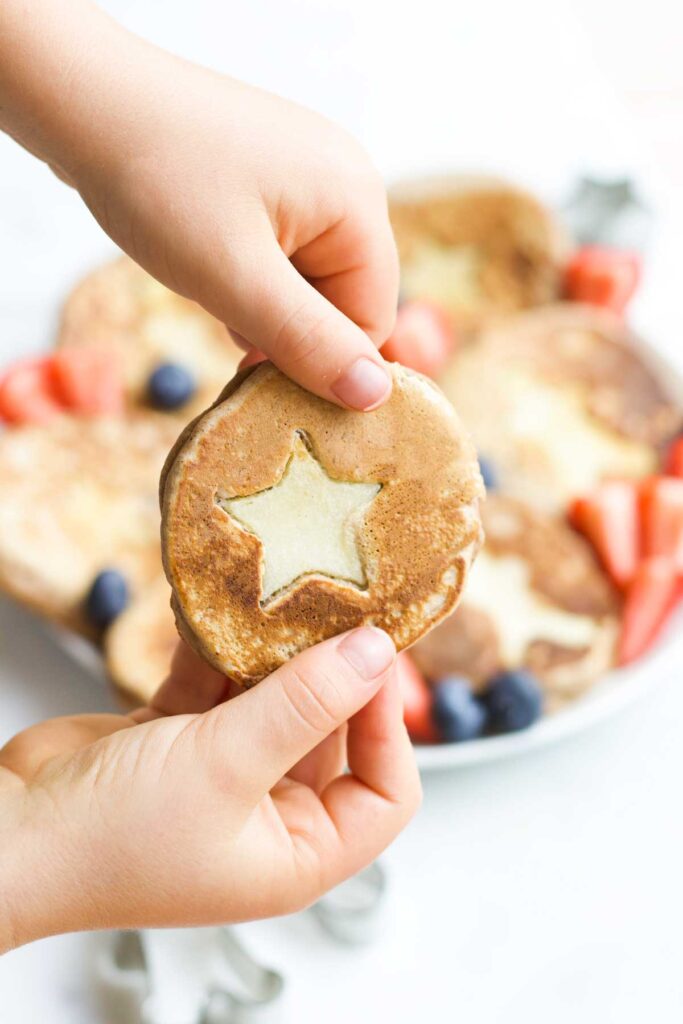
(370, 651)
(364, 385)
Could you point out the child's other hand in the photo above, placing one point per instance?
(235, 810)
(268, 214)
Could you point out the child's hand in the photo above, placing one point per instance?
(219, 815)
(269, 215)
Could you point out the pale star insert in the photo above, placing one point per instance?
(307, 523)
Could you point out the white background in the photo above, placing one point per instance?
(542, 889)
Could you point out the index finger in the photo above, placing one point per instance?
(355, 267)
(382, 792)
(191, 686)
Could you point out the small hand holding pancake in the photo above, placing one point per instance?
(233, 809)
(267, 214)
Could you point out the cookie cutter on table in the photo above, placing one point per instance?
(608, 211)
(207, 976)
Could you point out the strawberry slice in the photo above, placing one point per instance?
(651, 597)
(422, 339)
(417, 701)
(27, 393)
(674, 458)
(661, 505)
(602, 277)
(89, 380)
(609, 519)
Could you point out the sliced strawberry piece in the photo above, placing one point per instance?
(422, 340)
(661, 505)
(602, 277)
(89, 380)
(674, 458)
(27, 393)
(417, 701)
(651, 597)
(609, 519)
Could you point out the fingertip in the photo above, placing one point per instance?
(370, 651)
(363, 386)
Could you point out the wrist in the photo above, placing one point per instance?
(65, 92)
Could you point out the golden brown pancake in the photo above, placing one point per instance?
(121, 307)
(476, 246)
(558, 398)
(138, 647)
(77, 497)
(287, 520)
(536, 598)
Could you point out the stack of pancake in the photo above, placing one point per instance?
(81, 494)
(556, 396)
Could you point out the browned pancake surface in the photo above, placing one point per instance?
(570, 343)
(417, 539)
(564, 572)
(122, 308)
(518, 244)
(77, 497)
(560, 397)
(564, 568)
(139, 646)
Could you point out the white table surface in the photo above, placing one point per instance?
(542, 889)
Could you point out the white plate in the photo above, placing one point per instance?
(616, 691)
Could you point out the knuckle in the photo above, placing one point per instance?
(411, 799)
(416, 796)
(299, 337)
(309, 870)
(315, 702)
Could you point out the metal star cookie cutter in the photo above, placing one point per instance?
(351, 912)
(207, 975)
(608, 212)
(185, 976)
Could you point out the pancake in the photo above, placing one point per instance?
(138, 647)
(287, 520)
(477, 247)
(558, 398)
(121, 307)
(77, 497)
(537, 598)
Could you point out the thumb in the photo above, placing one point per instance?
(268, 729)
(277, 311)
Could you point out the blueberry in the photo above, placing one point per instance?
(488, 473)
(170, 386)
(107, 597)
(457, 714)
(514, 700)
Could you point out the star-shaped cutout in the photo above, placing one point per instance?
(307, 523)
(607, 212)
